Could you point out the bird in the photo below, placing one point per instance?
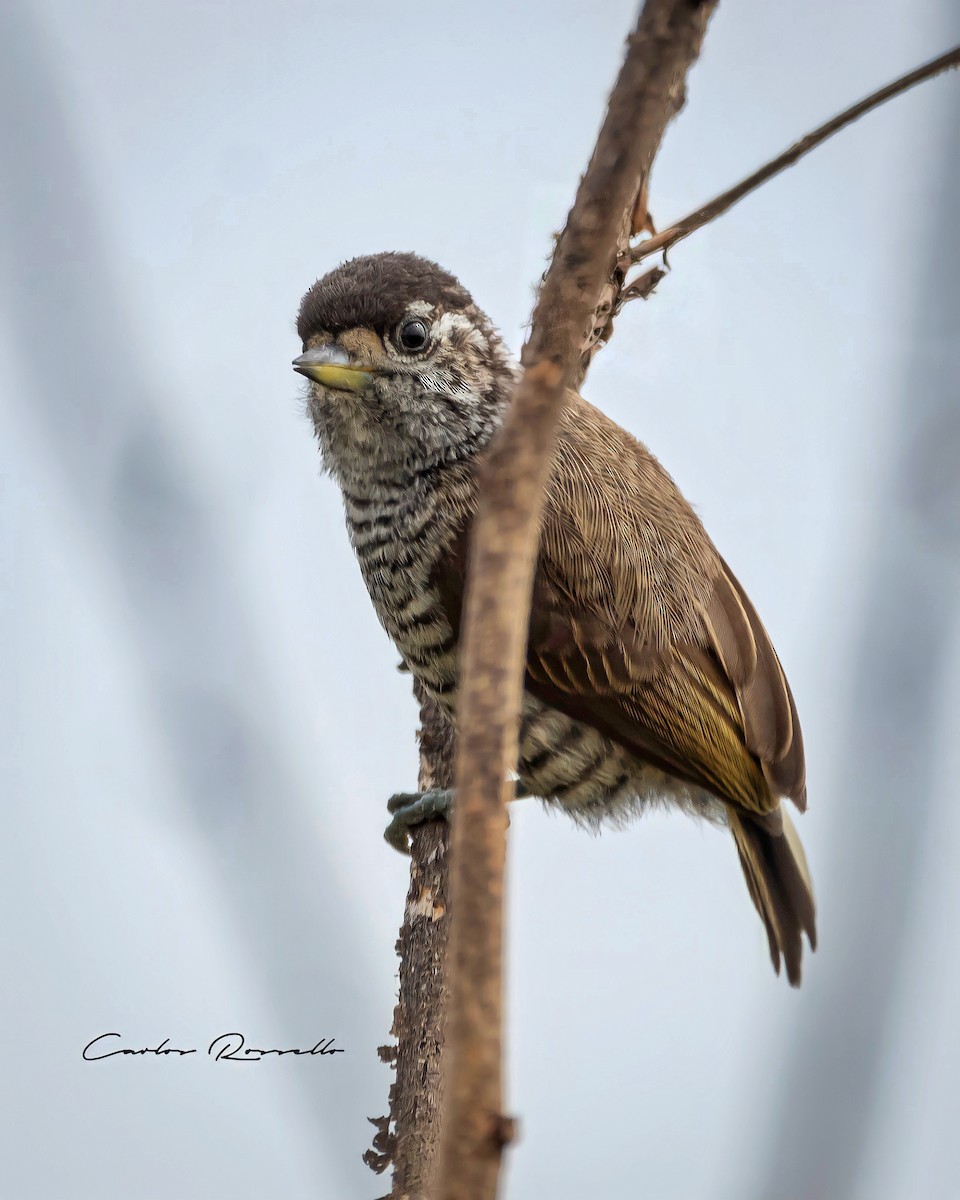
(649, 677)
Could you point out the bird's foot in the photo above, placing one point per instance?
(413, 808)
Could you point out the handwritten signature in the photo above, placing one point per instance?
(227, 1047)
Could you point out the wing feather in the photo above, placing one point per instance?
(640, 625)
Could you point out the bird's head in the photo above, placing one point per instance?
(406, 373)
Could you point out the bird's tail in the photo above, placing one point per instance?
(777, 876)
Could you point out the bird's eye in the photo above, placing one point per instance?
(412, 336)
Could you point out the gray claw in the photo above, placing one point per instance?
(413, 808)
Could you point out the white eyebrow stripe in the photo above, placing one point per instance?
(454, 320)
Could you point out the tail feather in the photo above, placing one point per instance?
(778, 880)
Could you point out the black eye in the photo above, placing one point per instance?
(412, 336)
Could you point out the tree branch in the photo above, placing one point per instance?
(648, 92)
(720, 204)
(408, 1137)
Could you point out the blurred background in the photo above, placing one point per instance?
(201, 719)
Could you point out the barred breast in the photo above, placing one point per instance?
(398, 534)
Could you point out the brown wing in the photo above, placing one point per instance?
(675, 708)
(639, 629)
(639, 624)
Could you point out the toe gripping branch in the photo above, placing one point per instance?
(413, 808)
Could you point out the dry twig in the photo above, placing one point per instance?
(720, 204)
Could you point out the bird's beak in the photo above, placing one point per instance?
(331, 366)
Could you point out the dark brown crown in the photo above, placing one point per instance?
(374, 291)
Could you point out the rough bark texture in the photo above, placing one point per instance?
(648, 92)
(408, 1137)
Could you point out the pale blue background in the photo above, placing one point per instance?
(201, 718)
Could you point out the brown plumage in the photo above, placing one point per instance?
(649, 673)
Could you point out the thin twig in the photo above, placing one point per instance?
(648, 92)
(702, 216)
